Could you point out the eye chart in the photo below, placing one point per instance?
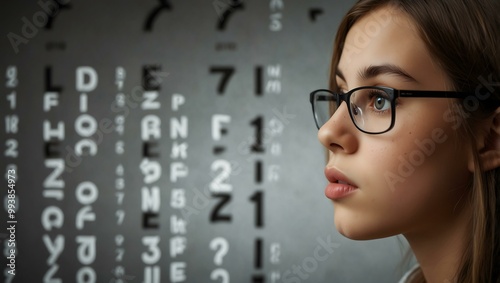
(170, 141)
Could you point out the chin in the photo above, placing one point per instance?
(354, 234)
(357, 230)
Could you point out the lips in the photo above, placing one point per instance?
(340, 186)
(335, 176)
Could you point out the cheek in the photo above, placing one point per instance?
(404, 184)
(429, 165)
(427, 192)
(427, 158)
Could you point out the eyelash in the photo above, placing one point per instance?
(372, 95)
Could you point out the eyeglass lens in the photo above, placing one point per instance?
(370, 109)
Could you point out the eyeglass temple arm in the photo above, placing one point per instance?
(322, 97)
(430, 94)
(493, 102)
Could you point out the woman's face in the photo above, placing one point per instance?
(409, 180)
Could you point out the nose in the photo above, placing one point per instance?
(339, 134)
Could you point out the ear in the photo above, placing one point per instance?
(489, 145)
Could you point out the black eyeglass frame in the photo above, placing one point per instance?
(392, 94)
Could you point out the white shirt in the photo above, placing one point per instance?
(406, 278)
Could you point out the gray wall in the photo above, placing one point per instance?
(177, 150)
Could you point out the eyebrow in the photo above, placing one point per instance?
(374, 71)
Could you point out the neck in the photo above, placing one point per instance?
(439, 250)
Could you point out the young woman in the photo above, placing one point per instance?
(412, 126)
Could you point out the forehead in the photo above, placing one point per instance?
(387, 36)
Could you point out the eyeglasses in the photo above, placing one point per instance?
(372, 108)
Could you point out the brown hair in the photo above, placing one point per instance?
(463, 36)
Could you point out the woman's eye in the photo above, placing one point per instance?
(381, 103)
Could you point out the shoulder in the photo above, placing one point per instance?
(409, 274)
